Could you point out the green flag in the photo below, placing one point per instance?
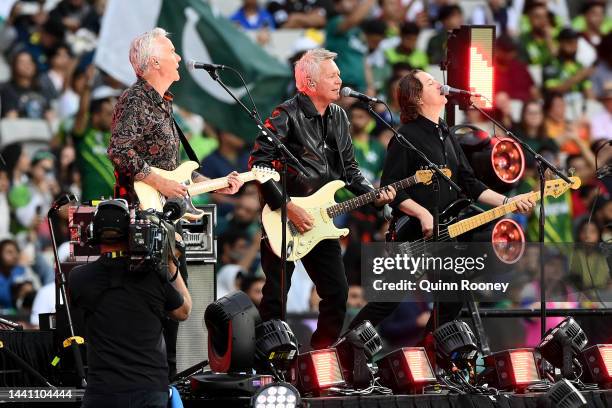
(198, 34)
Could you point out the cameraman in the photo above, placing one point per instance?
(123, 312)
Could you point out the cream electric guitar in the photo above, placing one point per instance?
(149, 197)
(323, 208)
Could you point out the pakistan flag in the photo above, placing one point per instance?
(198, 34)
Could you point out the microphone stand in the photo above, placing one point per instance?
(543, 164)
(61, 279)
(283, 155)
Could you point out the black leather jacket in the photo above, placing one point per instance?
(323, 145)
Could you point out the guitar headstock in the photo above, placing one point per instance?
(558, 186)
(424, 176)
(263, 174)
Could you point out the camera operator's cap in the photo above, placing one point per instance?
(111, 221)
(568, 34)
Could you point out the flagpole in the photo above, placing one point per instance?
(284, 155)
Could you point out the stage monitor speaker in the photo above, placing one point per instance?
(192, 346)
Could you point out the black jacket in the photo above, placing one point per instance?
(323, 145)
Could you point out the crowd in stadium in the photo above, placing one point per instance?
(553, 89)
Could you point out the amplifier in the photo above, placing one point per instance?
(79, 217)
(199, 236)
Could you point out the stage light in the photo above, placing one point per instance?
(456, 343)
(508, 241)
(406, 370)
(355, 349)
(564, 395)
(276, 395)
(319, 370)
(597, 361)
(513, 369)
(224, 385)
(561, 344)
(500, 163)
(231, 322)
(275, 344)
(470, 63)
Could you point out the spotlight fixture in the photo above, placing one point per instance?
(597, 360)
(564, 395)
(406, 370)
(354, 349)
(227, 385)
(275, 343)
(319, 370)
(512, 369)
(231, 322)
(456, 343)
(562, 344)
(276, 395)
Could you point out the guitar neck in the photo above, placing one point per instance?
(367, 198)
(216, 184)
(463, 226)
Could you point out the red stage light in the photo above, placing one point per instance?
(507, 160)
(318, 370)
(513, 369)
(406, 370)
(508, 241)
(598, 361)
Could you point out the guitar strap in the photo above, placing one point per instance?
(188, 149)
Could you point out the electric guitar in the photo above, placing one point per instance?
(449, 226)
(149, 197)
(323, 208)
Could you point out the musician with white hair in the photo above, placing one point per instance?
(145, 135)
(316, 131)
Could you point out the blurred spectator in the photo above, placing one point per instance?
(407, 51)
(369, 153)
(602, 76)
(392, 13)
(588, 266)
(406, 325)
(531, 127)
(17, 163)
(21, 97)
(537, 44)
(5, 210)
(451, 18)
(498, 13)
(601, 123)
(252, 286)
(93, 19)
(91, 135)
(569, 136)
(376, 41)
(71, 14)
(245, 217)
(583, 199)
(592, 22)
(344, 37)
(44, 302)
(21, 22)
(252, 17)
(300, 13)
(229, 156)
(565, 74)
(68, 103)
(41, 43)
(512, 75)
(231, 266)
(33, 199)
(11, 271)
(502, 111)
(57, 79)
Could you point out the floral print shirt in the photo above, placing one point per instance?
(142, 135)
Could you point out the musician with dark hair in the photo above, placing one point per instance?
(421, 102)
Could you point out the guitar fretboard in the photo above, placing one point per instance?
(216, 184)
(461, 227)
(360, 201)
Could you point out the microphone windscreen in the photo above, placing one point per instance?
(191, 65)
(346, 91)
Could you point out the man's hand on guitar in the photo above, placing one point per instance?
(427, 223)
(387, 194)
(524, 203)
(299, 217)
(234, 184)
(170, 188)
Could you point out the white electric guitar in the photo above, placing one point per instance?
(149, 197)
(322, 207)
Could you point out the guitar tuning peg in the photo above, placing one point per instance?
(571, 171)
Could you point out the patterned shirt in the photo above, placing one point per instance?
(142, 135)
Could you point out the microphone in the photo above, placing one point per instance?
(445, 90)
(174, 208)
(191, 65)
(346, 91)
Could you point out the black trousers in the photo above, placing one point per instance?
(136, 399)
(325, 268)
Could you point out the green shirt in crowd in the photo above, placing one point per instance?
(97, 172)
(559, 71)
(416, 59)
(351, 50)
